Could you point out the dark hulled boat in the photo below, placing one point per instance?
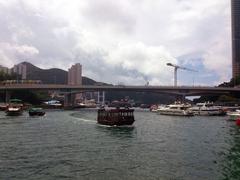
(36, 112)
(115, 117)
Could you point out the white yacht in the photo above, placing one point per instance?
(176, 110)
(207, 109)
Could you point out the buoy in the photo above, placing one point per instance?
(238, 122)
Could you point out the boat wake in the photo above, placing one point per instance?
(86, 120)
(118, 127)
(90, 121)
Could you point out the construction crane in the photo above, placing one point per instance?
(176, 67)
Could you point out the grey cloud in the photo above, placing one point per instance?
(110, 13)
(106, 34)
(22, 26)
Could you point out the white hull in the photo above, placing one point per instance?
(207, 109)
(233, 116)
(207, 113)
(175, 113)
(175, 110)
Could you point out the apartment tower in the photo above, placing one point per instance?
(75, 75)
(235, 38)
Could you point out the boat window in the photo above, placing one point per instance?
(209, 105)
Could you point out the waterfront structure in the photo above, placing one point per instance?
(235, 38)
(20, 69)
(75, 75)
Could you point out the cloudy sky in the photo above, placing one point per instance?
(127, 41)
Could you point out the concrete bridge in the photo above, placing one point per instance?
(181, 90)
(72, 89)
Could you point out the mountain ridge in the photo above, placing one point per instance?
(52, 75)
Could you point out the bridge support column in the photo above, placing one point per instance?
(101, 98)
(69, 100)
(7, 96)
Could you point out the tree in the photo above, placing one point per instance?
(225, 98)
(5, 76)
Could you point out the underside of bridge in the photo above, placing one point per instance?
(70, 92)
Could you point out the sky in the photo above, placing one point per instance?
(121, 42)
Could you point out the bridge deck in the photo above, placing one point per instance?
(161, 89)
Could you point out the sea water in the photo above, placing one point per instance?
(71, 145)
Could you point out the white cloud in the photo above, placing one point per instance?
(117, 40)
(10, 52)
(147, 60)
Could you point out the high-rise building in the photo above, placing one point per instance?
(235, 38)
(21, 69)
(75, 78)
(75, 75)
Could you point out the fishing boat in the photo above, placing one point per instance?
(175, 110)
(115, 117)
(207, 109)
(233, 115)
(36, 112)
(15, 108)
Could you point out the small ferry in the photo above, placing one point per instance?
(175, 110)
(207, 109)
(36, 112)
(115, 117)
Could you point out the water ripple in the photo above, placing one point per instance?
(71, 145)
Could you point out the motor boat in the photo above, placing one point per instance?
(36, 112)
(175, 110)
(14, 110)
(233, 115)
(207, 109)
(154, 108)
(53, 104)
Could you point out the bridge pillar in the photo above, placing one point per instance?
(7, 96)
(69, 99)
(101, 98)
